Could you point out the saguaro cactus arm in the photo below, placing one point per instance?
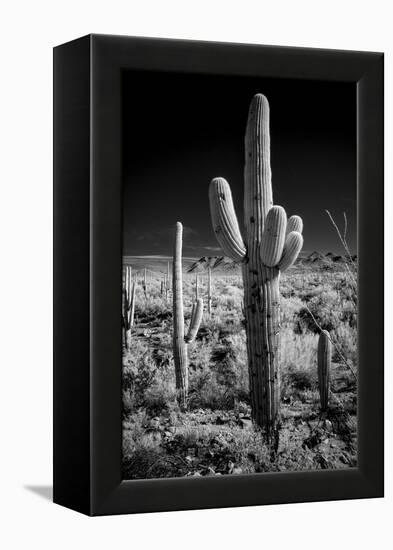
(273, 238)
(196, 317)
(292, 247)
(225, 224)
(295, 223)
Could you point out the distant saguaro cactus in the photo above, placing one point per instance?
(129, 288)
(271, 244)
(324, 363)
(196, 286)
(168, 282)
(209, 290)
(180, 340)
(144, 284)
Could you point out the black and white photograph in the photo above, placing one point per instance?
(196, 288)
(239, 296)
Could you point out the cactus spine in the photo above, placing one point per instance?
(180, 341)
(271, 244)
(129, 288)
(324, 362)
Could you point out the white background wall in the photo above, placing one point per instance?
(28, 31)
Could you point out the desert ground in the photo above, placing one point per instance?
(216, 436)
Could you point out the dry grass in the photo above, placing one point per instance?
(216, 436)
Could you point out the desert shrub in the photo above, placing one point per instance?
(162, 354)
(298, 350)
(139, 371)
(298, 362)
(300, 379)
(250, 452)
(298, 383)
(290, 308)
(219, 377)
(154, 312)
(199, 353)
(345, 338)
(161, 395)
(143, 455)
(230, 358)
(231, 298)
(134, 434)
(206, 392)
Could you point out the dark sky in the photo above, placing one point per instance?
(181, 130)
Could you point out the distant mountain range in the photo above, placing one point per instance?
(316, 259)
(326, 259)
(224, 263)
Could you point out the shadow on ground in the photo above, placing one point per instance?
(44, 491)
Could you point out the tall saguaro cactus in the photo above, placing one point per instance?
(270, 245)
(324, 362)
(128, 306)
(180, 340)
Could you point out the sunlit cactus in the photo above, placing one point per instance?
(209, 290)
(129, 288)
(324, 363)
(271, 244)
(180, 340)
(295, 223)
(168, 281)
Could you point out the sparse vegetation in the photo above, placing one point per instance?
(267, 381)
(216, 436)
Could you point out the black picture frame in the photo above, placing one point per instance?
(88, 263)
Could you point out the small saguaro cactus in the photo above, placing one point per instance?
(167, 282)
(144, 284)
(271, 244)
(324, 362)
(209, 290)
(196, 286)
(180, 340)
(128, 306)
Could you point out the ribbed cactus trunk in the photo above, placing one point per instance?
(261, 283)
(324, 363)
(179, 345)
(262, 317)
(270, 246)
(180, 341)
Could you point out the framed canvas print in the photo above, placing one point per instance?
(218, 275)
